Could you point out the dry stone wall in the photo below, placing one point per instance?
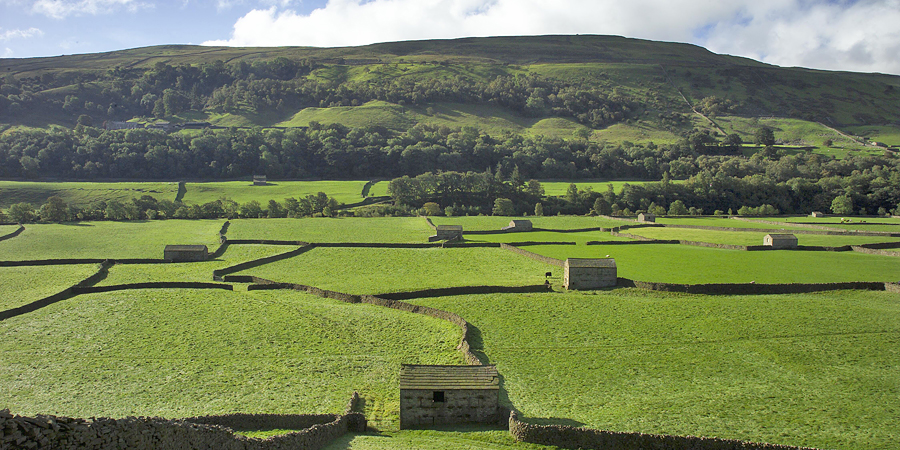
(532, 255)
(750, 288)
(13, 234)
(102, 272)
(587, 438)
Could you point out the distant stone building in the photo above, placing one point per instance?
(195, 125)
(447, 233)
(585, 273)
(259, 180)
(117, 125)
(518, 225)
(817, 214)
(181, 253)
(165, 126)
(780, 240)
(435, 395)
(646, 217)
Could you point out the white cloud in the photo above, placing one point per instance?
(849, 35)
(19, 34)
(7, 53)
(59, 9)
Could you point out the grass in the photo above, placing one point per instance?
(753, 238)
(809, 370)
(721, 222)
(558, 188)
(178, 353)
(887, 134)
(379, 189)
(96, 240)
(81, 193)
(482, 223)
(871, 224)
(673, 263)
(374, 271)
(23, 285)
(244, 191)
(375, 229)
(463, 437)
(580, 238)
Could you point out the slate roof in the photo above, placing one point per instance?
(782, 236)
(449, 227)
(591, 262)
(446, 378)
(186, 248)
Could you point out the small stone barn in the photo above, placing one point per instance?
(447, 233)
(646, 217)
(817, 214)
(518, 225)
(585, 273)
(780, 240)
(259, 180)
(178, 253)
(435, 395)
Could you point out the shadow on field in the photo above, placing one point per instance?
(76, 224)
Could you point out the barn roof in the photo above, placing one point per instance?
(519, 222)
(413, 376)
(781, 236)
(450, 227)
(186, 248)
(591, 262)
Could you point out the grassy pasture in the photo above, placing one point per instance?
(177, 353)
(484, 223)
(244, 191)
(81, 193)
(374, 271)
(463, 437)
(23, 285)
(374, 229)
(753, 238)
(379, 189)
(673, 263)
(108, 239)
(887, 134)
(721, 222)
(872, 224)
(580, 238)
(558, 188)
(812, 370)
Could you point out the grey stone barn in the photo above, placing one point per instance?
(646, 217)
(585, 273)
(518, 225)
(447, 233)
(435, 395)
(178, 253)
(259, 180)
(780, 240)
(817, 214)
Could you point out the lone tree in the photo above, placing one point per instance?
(539, 209)
(55, 210)
(764, 136)
(842, 205)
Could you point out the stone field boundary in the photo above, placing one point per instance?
(13, 234)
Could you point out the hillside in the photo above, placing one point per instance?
(640, 83)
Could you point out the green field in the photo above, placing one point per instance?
(244, 191)
(96, 240)
(811, 370)
(722, 222)
(456, 438)
(81, 193)
(753, 238)
(557, 188)
(834, 222)
(23, 285)
(374, 229)
(177, 353)
(374, 271)
(484, 223)
(673, 263)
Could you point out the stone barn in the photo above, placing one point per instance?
(646, 217)
(780, 240)
(518, 225)
(585, 273)
(447, 233)
(817, 214)
(259, 180)
(179, 253)
(437, 395)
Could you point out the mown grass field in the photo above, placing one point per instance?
(81, 193)
(673, 263)
(723, 222)
(812, 370)
(375, 229)
(456, 438)
(856, 223)
(244, 191)
(23, 285)
(108, 239)
(374, 271)
(178, 353)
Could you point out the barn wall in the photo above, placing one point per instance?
(417, 407)
(589, 277)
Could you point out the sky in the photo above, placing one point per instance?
(853, 35)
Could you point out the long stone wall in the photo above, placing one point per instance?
(78, 290)
(13, 234)
(587, 438)
(102, 272)
(152, 433)
(750, 288)
(218, 274)
(532, 255)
